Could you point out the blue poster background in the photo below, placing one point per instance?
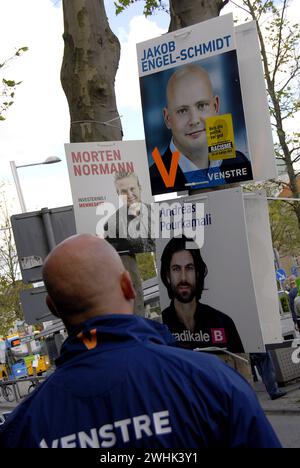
(224, 74)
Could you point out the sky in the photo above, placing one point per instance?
(37, 125)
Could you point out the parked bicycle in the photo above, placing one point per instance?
(33, 385)
(6, 392)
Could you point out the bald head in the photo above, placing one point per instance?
(85, 277)
(185, 75)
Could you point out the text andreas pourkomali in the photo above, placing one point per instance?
(159, 220)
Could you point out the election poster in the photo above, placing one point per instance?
(111, 192)
(194, 116)
(212, 264)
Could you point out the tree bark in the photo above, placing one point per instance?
(90, 63)
(188, 12)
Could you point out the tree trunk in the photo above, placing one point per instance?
(89, 67)
(188, 12)
(90, 63)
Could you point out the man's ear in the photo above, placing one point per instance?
(166, 116)
(217, 104)
(127, 286)
(51, 306)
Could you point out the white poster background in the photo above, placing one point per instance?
(86, 188)
(256, 109)
(262, 263)
(229, 284)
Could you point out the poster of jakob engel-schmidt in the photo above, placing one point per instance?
(192, 108)
(111, 192)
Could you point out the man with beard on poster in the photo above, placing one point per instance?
(194, 324)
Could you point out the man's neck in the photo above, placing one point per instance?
(186, 313)
(98, 311)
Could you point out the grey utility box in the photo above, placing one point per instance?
(36, 234)
(285, 369)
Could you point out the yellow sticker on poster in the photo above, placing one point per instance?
(220, 137)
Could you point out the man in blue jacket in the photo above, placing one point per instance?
(118, 382)
(293, 294)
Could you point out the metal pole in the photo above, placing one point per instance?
(18, 186)
(14, 385)
(48, 228)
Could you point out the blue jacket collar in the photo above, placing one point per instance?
(111, 330)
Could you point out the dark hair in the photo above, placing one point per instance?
(178, 244)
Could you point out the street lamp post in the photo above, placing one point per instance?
(50, 160)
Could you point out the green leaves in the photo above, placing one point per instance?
(10, 83)
(121, 5)
(8, 86)
(149, 7)
(146, 265)
(10, 284)
(284, 227)
(20, 50)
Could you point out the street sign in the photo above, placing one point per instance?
(280, 274)
(34, 306)
(294, 270)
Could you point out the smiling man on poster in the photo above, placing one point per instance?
(203, 138)
(129, 228)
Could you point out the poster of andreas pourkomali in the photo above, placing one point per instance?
(193, 112)
(111, 192)
(207, 292)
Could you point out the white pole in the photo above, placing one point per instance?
(18, 186)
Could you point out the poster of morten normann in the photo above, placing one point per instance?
(193, 111)
(111, 192)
